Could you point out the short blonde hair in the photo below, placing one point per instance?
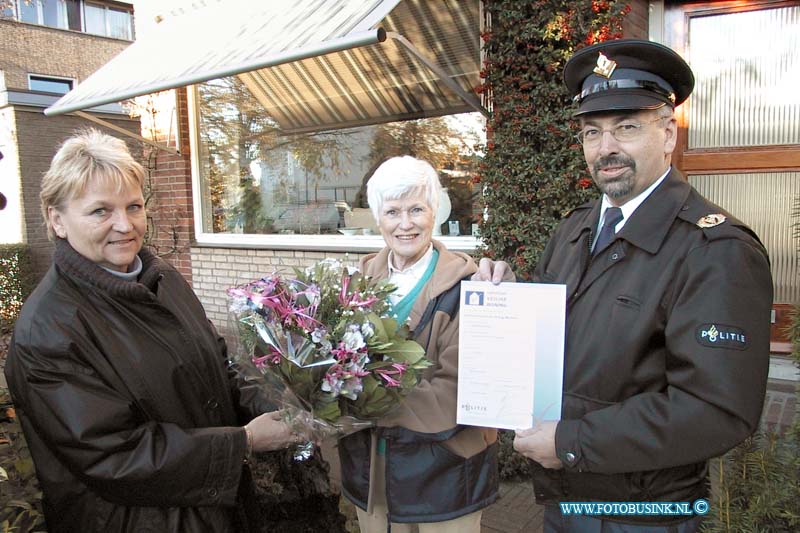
(400, 177)
(87, 156)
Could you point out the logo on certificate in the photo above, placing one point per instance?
(473, 298)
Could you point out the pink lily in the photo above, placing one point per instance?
(386, 374)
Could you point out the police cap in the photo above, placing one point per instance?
(627, 74)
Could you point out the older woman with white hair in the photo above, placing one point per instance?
(418, 466)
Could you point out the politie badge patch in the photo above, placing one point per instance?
(721, 336)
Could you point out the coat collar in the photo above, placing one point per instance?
(74, 264)
(646, 228)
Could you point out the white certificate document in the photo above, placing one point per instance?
(511, 353)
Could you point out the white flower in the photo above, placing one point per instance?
(353, 339)
(318, 334)
(351, 389)
(325, 347)
(367, 330)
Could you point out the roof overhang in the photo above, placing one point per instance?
(312, 64)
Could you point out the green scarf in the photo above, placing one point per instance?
(403, 307)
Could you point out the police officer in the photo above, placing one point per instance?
(669, 296)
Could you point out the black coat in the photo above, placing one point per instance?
(649, 396)
(132, 415)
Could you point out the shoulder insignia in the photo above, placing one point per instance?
(709, 221)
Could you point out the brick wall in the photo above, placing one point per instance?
(216, 269)
(28, 48)
(38, 139)
(169, 209)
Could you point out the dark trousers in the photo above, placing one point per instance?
(555, 522)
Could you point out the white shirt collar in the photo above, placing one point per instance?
(417, 268)
(628, 207)
(406, 280)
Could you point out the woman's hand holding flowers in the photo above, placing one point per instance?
(269, 432)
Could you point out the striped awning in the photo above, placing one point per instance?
(312, 64)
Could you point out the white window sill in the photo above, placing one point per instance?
(333, 243)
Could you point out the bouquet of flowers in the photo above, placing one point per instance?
(327, 334)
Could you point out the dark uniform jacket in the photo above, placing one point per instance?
(129, 409)
(667, 348)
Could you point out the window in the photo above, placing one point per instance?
(64, 14)
(100, 19)
(254, 180)
(108, 21)
(49, 84)
(741, 144)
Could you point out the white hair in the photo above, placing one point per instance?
(400, 177)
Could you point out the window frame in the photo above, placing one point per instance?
(48, 77)
(327, 242)
(770, 158)
(107, 30)
(16, 14)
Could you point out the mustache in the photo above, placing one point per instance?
(614, 161)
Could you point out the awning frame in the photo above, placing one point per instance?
(123, 131)
(470, 99)
(339, 44)
(365, 33)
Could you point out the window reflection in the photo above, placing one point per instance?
(254, 180)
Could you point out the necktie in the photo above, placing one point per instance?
(613, 216)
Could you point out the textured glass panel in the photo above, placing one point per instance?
(764, 202)
(747, 72)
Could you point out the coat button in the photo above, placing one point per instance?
(213, 492)
(212, 404)
(570, 457)
(615, 257)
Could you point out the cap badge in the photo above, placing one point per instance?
(709, 221)
(605, 66)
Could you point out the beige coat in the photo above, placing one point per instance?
(431, 406)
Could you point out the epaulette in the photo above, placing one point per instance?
(712, 220)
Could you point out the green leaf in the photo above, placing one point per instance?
(328, 411)
(379, 327)
(406, 351)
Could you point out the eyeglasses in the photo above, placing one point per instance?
(626, 131)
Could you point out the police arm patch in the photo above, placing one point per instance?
(721, 336)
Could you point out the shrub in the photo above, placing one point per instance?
(20, 496)
(534, 171)
(16, 282)
(759, 481)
